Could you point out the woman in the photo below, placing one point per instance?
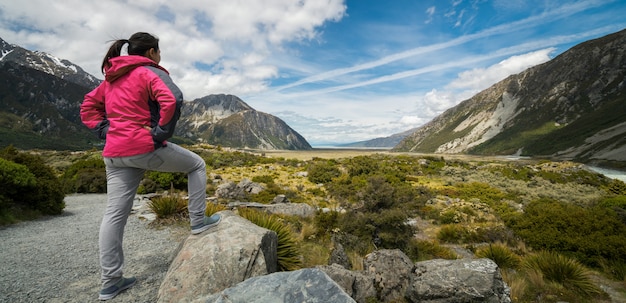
(135, 109)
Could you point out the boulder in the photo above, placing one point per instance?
(338, 255)
(230, 190)
(392, 271)
(357, 284)
(306, 285)
(390, 276)
(221, 257)
(464, 280)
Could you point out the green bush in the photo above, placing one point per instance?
(267, 179)
(221, 159)
(15, 178)
(589, 234)
(616, 187)
(166, 180)
(46, 197)
(362, 165)
(322, 171)
(85, 176)
(326, 222)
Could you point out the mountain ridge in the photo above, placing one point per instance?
(570, 108)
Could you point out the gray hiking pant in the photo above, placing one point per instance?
(123, 177)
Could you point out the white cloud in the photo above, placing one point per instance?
(236, 39)
(481, 78)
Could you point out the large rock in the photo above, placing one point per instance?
(219, 258)
(391, 270)
(358, 284)
(458, 281)
(389, 276)
(241, 190)
(306, 285)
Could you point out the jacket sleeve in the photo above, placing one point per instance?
(93, 114)
(165, 106)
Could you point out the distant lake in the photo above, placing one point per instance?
(613, 174)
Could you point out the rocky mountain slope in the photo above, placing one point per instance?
(381, 142)
(46, 63)
(227, 120)
(571, 107)
(40, 96)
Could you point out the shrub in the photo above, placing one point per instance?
(46, 197)
(166, 180)
(326, 222)
(362, 165)
(589, 234)
(287, 250)
(15, 179)
(617, 187)
(267, 179)
(565, 271)
(322, 171)
(385, 229)
(500, 254)
(85, 176)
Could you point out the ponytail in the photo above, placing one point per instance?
(138, 44)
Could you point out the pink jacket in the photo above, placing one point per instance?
(135, 109)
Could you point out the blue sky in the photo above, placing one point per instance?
(336, 71)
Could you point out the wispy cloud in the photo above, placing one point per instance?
(465, 61)
(548, 16)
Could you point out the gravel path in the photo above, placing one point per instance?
(55, 259)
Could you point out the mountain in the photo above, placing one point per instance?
(572, 107)
(40, 97)
(381, 142)
(47, 63)
(227, 120)
(38, 110)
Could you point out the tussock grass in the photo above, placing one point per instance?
(564, 271)
(168, 205)
(287, 249)
(500, 254)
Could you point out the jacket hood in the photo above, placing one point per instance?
(123, 64)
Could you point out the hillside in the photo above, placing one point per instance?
(228, 121)
(571, 108)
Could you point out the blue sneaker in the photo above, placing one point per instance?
(208, 223)
(112, 291)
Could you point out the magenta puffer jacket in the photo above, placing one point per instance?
(135, 109)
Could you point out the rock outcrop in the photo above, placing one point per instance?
(219, 258)
(389, 275)
(306, 285)
(236, 262)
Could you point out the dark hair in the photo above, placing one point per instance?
(138, 44)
